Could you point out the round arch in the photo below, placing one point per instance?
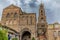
(25, 34)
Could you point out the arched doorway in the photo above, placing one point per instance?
(26, 35)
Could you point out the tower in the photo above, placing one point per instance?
(42, 24)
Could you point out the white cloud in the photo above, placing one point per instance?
(27, 1)
(12, 2)
(52, 5)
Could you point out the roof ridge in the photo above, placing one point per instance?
(12, 5)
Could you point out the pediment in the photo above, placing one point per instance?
(12, 7)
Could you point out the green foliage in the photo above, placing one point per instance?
(3, 34)
(14, 38)
(33, 38)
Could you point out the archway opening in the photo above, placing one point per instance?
(26, 35)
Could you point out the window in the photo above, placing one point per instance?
(44, 30)
(41, 14)
(7, 15)
(58, 33)
(39, 31)
(42, 25)
(42, 18)
(55, 34)
(15, 15)
(23, 18)
(41, 11)
(31, 20)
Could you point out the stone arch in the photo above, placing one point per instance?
(25, 30)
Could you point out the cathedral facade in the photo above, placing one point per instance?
(26, 23)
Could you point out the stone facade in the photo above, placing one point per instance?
(14, 18)
(25, 23)
(54, 31)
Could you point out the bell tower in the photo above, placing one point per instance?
(42, 24)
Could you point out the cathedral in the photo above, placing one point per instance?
(25, 24)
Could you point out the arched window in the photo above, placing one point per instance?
(7, 15)
(41, 11)
(15, 15)
(41, 14)
(41, 18)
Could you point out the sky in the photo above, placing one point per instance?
(52, 8)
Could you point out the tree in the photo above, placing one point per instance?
(33, 38)
(3, 34)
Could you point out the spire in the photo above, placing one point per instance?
(41, 4)
(41, 1)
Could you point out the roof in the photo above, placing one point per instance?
(12, 6)
(56, 23)
(28, 13)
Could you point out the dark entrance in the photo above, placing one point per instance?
(26, 35)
